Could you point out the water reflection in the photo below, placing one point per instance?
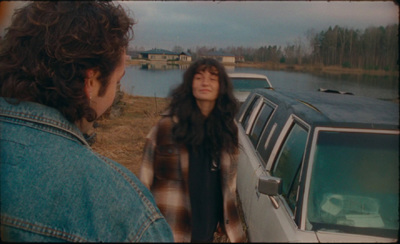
(150, 82)
(386, 81)
(170, 66)
(163, 66)
(157, 79)
(384, 87)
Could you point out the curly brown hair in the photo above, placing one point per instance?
(49, 46)
(192, 127)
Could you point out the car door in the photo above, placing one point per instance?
(248, 161)
(272, 218)
(250, 164)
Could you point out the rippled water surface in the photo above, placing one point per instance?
(159, 81)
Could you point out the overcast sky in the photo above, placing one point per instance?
(248, 23)
(165, 24)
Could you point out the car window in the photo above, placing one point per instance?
(249, 110)
(264, 142)
(355, 183)
(287, 165)
(248, 84)
(260, 123)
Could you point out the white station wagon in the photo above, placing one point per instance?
(244, 83)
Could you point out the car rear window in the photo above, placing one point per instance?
(248, 84)
(355, 183)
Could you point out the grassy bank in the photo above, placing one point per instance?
(316, 69)
(122, 138)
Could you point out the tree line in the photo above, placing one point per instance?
(373, 48)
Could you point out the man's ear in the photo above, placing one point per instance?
(90, 82)
(88, 89)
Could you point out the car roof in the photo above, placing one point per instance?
(251, 76)
(247, 75)
(336, 109)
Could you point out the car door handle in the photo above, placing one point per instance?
(272, 198)
(274, 201)
(257, 192)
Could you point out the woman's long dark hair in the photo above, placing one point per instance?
(192, 128)
(50, 45)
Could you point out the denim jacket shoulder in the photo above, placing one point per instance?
(55, 188)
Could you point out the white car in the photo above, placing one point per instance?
(318, 167)
(244, 83)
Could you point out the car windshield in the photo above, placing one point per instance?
(355, 184)
(248, 84)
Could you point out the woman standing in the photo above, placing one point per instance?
(189, 160)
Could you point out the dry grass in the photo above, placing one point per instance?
(122, 138)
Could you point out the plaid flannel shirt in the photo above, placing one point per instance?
(165, 171)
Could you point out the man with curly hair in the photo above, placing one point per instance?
(60, 63)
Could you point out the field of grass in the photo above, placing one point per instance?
(122, 138)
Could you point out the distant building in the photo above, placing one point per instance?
(185, 56)
(221, 57)
(159, 55)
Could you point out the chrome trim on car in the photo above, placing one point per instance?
(270, 135)
(253, 115)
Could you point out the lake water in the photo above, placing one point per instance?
(158, 81)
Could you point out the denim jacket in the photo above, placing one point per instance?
(55, 188)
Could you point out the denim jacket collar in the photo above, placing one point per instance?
(39, 114)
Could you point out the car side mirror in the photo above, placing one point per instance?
(270, 185)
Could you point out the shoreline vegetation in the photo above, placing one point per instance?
(295, 67)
